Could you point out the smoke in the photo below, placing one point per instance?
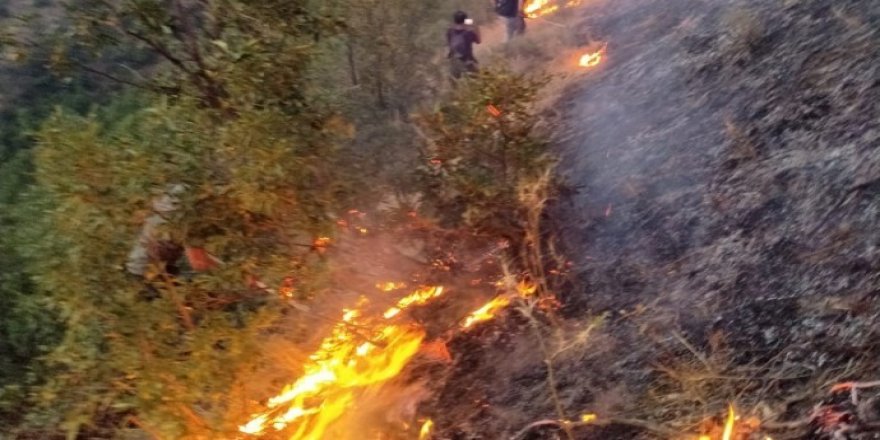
(636, 130)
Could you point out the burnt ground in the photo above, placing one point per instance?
(734, 147)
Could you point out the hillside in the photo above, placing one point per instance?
(641, 220)
(725, 156)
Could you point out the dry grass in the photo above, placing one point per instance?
(742, 148)
(744, 32)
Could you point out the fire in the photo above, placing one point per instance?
(360, 351)
(321, 242)
(418, 297)
(728, 425)
(588, 418)
(592, 59)
(537, 8)
(486, 312)
(390, 286)
(426, 430)
(526, 289)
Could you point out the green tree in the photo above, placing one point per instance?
(236, 142)
(483, 144)
(387, 62)
(224, 53)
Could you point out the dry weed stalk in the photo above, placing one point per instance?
(535, 253)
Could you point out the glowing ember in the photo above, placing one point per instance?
(426, 430)
(359, 352)
(321, 242)
(526, 289)
(728, 424)
(588, 418)
(287, 288)
(486, 312)
(390, 286)
(592, 59)
(494, 111)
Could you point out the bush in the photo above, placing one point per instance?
(482, 147)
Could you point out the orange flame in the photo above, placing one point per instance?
(486, 312)
(592, 59)
(359, 352)
(321, 242)
(418, 297)
(390, 286)
(537, 8)
(426, 430)
(526, 289)
(589, 418)
(728, 424)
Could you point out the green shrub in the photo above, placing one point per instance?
(483, 146)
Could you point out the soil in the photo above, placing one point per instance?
(725, 227)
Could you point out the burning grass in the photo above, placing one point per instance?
(361, 351)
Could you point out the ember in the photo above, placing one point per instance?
(494, 111)
(526, 289)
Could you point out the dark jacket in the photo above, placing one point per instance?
(507, 8)
(461, 39)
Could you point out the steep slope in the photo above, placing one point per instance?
(726, 155)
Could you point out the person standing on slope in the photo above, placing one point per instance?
(461, 37)
(514, 17)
